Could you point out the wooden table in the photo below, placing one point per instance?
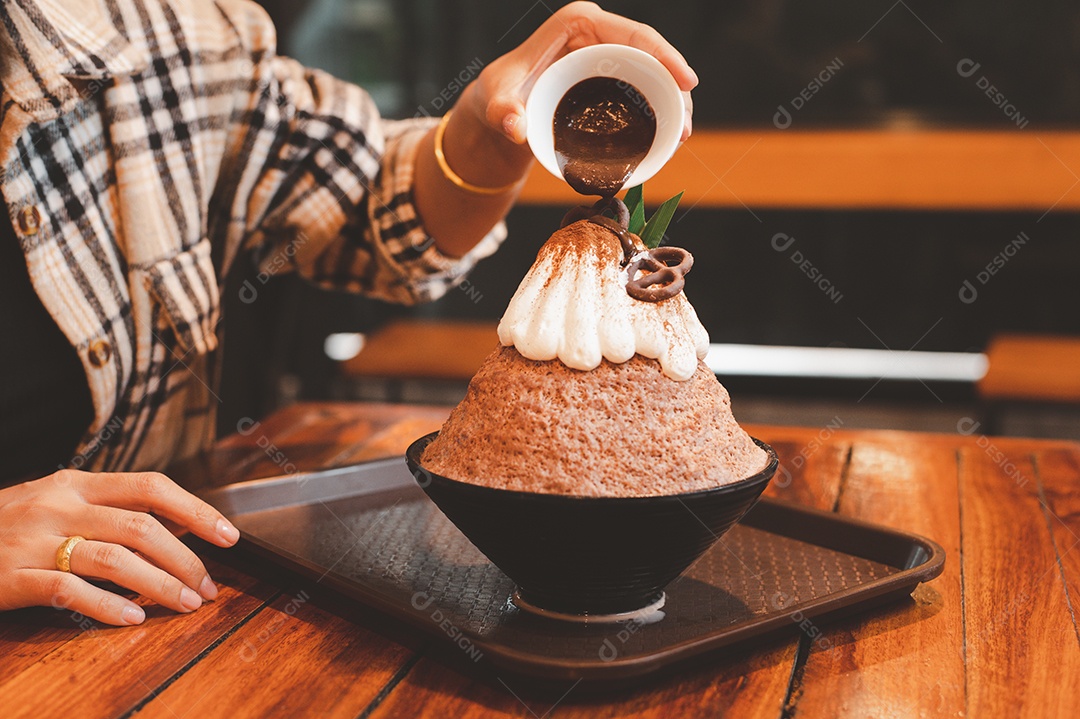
(995, 635)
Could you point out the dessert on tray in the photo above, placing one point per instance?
(598, 388)
(595, 457)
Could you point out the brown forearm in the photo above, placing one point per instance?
(456, 218)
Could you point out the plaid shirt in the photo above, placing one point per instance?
(144, 144)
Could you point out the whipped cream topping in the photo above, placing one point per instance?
(573, 306)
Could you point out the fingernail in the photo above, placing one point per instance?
(510, 122)
(208, 589)
(189, 599)
(227, 532)
(133, 614)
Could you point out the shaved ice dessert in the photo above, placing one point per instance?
(598, 388)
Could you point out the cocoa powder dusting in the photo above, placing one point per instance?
(620, 430)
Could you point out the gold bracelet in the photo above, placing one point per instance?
(449, 174)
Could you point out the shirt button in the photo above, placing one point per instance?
(99, 352)
(29, 220)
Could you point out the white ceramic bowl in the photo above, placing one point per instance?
(621, 62)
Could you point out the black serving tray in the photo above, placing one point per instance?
(369, 532)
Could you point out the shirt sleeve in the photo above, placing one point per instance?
(324, 185)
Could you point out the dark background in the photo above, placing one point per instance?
(750, 55)
(899, 271)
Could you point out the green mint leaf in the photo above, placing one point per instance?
(653, 232)
(635, 203)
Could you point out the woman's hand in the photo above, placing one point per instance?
(502, 87)
(484, 141)
(125, 544)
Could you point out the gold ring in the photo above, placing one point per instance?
(63, 553)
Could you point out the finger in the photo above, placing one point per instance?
(146, 535)
(587, 24)
(119, 566)
(154, 492)
(48, 587)
(507, 113)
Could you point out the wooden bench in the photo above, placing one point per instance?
(1025, 368)
(420, 349)
(1032, 368)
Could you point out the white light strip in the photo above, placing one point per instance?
(845, 363)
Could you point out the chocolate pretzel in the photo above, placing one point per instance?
(664, 280)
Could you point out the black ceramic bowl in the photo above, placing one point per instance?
(589, 555)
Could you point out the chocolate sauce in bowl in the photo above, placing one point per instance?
(603, 129)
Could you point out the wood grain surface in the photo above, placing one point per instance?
(911, 656)
(1023, 655)
(995, 635)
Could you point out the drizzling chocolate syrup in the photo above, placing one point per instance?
(620, 231)
(609, 213)
(603, 129)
